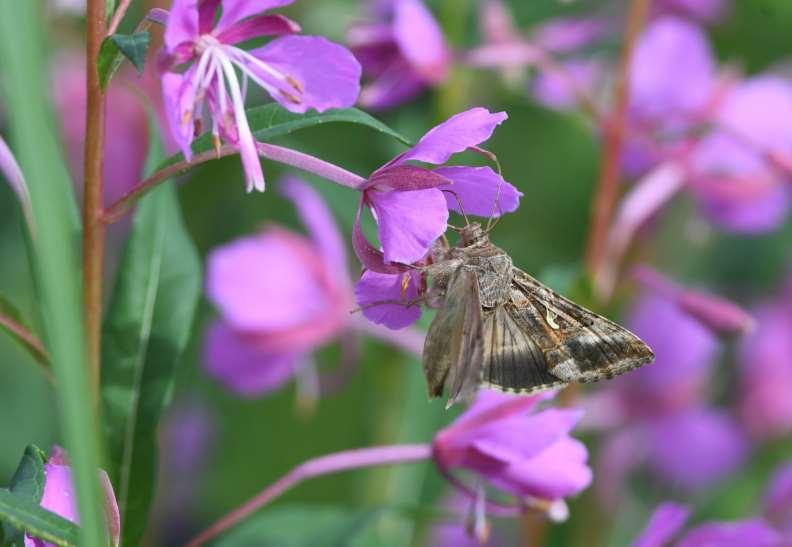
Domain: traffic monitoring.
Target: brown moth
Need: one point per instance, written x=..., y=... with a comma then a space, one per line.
x=496, y=326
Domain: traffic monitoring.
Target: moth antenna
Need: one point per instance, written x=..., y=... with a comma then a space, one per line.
x=496, y=208
x=459, y=202
x=455, y=228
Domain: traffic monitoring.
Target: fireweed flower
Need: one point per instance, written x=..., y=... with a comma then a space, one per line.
x=665, y=529
x=402, y=52
x=411, y=204
x=766, y=370
x=299, y=72
x=280, y=296
x=506, y=442
x=658, y=415
x=60, y=497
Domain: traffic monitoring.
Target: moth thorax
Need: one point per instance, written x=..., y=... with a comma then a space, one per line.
x=472, y=234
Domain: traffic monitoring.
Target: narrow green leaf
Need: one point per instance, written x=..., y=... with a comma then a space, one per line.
x=114, y=48
x=146, y=329
x=27, y=483
x=26, y=515
x=272, y=120
x=304, y=526
x=11, y=322
x=33, y=132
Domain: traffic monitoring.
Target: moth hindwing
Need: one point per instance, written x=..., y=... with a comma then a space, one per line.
x=498, y=326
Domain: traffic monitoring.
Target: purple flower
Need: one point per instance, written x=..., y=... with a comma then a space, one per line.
x=777, y=502
x=126, y=126
x=299, y=72
x=669, y=518
x=402, y=52
x=556, y=89
x=659, y=413
x=60, y=497
x=411, y=204
x=737, y=185
x=280, y=296
x=706, y=11
x=529, y=455
x=766, y=371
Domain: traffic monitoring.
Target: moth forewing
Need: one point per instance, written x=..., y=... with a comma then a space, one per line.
x=452, y=349
x=579, y=345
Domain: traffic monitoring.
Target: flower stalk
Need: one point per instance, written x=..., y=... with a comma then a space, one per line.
x=93, y=227
x=323, y=465
x=614, y=131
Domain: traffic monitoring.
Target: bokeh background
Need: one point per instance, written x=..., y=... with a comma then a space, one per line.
x=221, y=448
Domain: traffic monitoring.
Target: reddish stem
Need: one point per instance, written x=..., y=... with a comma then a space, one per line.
x=93, y=227
x=28, y=339
x=614, y=131
x=323, y=465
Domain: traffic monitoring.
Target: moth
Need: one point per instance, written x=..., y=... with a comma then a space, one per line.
x=496, y=326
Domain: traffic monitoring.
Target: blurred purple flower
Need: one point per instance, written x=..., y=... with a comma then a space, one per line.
x=126, y=126
x=557, y=89
x=60, y=497
x=661, y=417
x=705, y=11
x=299, y=72
x=402, y=52
x=668, y=519
x=777, y=502
x=280, y=296
x=529, y=455
x=736, y=183
x=766, y=371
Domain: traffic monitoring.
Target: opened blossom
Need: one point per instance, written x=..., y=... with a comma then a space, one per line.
x=411, y=203
x=507, y=442
x=402, y=51
x=281, y=296
x=60, y=497
x=299, y=72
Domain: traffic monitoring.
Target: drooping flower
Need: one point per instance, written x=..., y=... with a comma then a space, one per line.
x=280, y=296
x=766, y=370
x=299, y=72
x=527, y=454
x=60, y=497
x=402, y=52
x=659, y=415
x=411, y=204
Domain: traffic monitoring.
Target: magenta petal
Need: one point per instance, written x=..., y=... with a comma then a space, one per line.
x=663, y=525
x=178, y=94
x=671, y=51
x=373, y=288
x=455, y=135
x=391, y=88
x=327, y=73
x=409, y=222
x=479, y=189
x=266, y=282
x=244, y=367
x=316, y=216
x=236, y=10
x=420, y=39
x=744, y=533
x=182, y=24
x=371, y=258
x=261, y=25
x=207, y=9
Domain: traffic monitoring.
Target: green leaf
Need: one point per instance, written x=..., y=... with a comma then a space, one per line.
x=11, y=321
x=114, y=48
x=26, y=515
x=145, y=331
x=27, y=97
x=304, y=526
x=27, y=483
x=272, y=120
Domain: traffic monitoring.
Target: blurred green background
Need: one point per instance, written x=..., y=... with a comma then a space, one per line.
x=551, y=157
